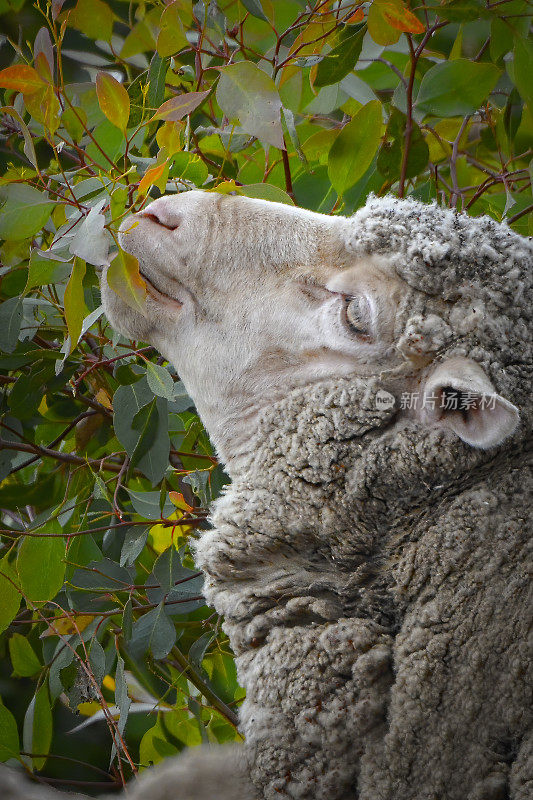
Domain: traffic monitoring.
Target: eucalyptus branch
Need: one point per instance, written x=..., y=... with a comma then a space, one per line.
x=194, y=676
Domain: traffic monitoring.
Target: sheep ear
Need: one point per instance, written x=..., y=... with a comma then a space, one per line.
x=459, y=396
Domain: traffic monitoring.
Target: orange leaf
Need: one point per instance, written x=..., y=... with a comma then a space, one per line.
x=150, y=177
x=402, y=19
x=113, y=100
x=21, y=78
x=357, y=16
x=179, y=501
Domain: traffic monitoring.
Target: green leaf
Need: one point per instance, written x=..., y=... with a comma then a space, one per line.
x=102, y=576
x=156, y=81
x=169, y=581
x=265, y=191
x=74, y=302
x=501, y=39
x=111, y=141
x=178, y=107
x=15, y=221
x=134, y=541
x=179, y=726
x=113, y=100
x=190, y=167
x=390, y=156
x=122, y=700
x=512, y=115
x=140, y=38
x=222, y=673
x=248, y=95
x=150, y=438
x=341, y=60
x=74, y=121
x=255, y=8
x=29, y=147
x=10, y=322
x=38, y=727
x=198, y=649
x=94, y=18
x=41, y=565
x=42, y=271
x=354, y=148
x=523, y=69
x=25, y=662
x=456, y=88
x=9, y=737
x=160, y=380
x=124, y=278
x=138, y=103
x=146, y=422
x=10, y=596
x=464, y=10
x=154, y=748
x=147, y=504
x=153, y=631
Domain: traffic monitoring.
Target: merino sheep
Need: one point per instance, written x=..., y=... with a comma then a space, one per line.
x=371, y=555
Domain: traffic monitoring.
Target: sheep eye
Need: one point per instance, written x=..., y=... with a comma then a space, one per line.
x=357, y=315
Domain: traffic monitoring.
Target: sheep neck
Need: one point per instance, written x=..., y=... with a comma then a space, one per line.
x=306, y=532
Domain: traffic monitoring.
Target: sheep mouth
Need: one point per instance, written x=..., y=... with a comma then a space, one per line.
x=157, y=295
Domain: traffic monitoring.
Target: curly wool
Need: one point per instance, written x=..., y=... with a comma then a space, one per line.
x=373, y=572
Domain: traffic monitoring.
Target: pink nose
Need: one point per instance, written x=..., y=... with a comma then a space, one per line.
x=163, y=214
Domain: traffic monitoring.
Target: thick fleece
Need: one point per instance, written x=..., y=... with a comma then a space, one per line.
x=373, y=570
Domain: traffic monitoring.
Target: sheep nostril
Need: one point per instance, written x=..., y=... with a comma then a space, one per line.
x=158, y=221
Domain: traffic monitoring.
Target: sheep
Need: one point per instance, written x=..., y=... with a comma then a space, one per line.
x=366, y=382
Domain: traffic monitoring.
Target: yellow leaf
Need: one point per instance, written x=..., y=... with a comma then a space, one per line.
x=113, y=100
x=50, y=109
x=43, y=67
x=161, y=536
x=88, y=709
x=68, y=626
x=172, y=37
x=21, y=78
x=168, y=137
x=94, y=18
x=124, y=278
x=103, y=398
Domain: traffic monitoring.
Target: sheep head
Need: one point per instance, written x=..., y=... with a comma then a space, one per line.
x=251, y=299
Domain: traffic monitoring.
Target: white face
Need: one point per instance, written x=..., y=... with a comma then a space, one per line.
x=250, y=299
x=253, y=299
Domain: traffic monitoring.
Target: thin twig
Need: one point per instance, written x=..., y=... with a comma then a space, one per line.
x=456, y=192
x=409, y=118
x=520, y=214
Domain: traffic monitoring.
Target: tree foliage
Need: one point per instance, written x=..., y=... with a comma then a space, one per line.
x=106, y=472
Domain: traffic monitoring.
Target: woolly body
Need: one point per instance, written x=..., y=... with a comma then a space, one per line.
x=371, y=566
